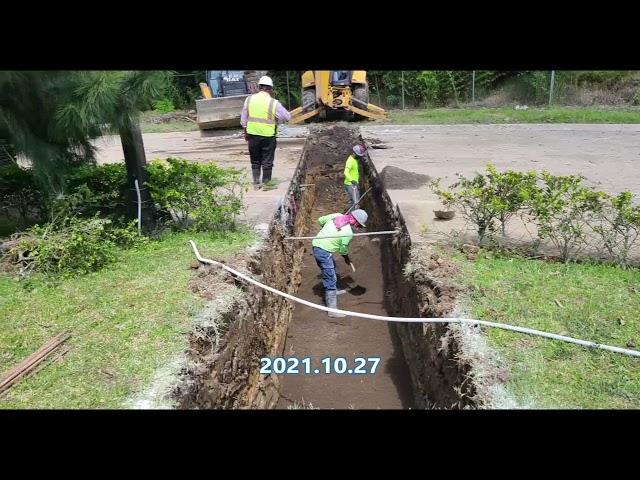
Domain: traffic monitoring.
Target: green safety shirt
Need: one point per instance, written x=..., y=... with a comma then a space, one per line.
x=351, y=173
x=340, y=245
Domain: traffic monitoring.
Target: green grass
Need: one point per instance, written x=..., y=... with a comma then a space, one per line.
x=147, y=125
x=271, y=184
x=126, y=321
x=511, y=115
x=591, y=302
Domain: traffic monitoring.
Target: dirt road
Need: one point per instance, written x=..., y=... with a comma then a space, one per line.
x=609, y=154
x=226, y=148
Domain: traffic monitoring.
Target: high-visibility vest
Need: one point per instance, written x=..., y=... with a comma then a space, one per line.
x=351, y=172
x=261, y=109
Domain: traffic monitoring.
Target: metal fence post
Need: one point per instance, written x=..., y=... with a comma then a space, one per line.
x=402, y=84
x=473, y=86
x=553, y=79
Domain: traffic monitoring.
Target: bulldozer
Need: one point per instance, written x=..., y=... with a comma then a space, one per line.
x=336, y=94
x=223, y=95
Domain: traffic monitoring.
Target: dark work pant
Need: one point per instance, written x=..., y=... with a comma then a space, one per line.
x=261, y=151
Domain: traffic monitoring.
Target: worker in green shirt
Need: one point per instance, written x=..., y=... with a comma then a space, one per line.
x=335, y=224
x=352, y=175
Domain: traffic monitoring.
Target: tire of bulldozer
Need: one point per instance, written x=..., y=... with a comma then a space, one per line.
x=361, y=93
x=308, y=99
x=308, y=102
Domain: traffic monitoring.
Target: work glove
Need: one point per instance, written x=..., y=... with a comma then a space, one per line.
x=246, y=136
x=348, y=261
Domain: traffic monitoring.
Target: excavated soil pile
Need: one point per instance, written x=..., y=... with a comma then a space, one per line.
x=395, y=178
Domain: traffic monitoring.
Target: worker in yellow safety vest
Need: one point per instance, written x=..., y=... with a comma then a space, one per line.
x=352, y=175
x=259, y=118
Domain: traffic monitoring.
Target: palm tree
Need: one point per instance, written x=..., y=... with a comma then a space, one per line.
x=113, y=101
x=28, y=105
x=51, y=118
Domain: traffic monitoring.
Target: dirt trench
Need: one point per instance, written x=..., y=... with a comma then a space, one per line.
x=415, y=370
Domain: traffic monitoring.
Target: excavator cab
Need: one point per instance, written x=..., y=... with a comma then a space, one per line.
x=335, y=94
x=340, y=78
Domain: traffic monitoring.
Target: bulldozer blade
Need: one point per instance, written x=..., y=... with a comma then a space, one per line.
x=220, y=112
x=296, y=117
x=374, y=112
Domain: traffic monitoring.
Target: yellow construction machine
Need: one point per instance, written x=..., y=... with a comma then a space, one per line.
x=339, y=94
x=223, y=95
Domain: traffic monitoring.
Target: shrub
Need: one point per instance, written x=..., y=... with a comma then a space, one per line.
x=563, y=208
x=511, y=191
x=72, y=246
x=197, y=196
x=99, y=189
x=474, y=198
x=20, y=195
x=164, y=106
x=486, y=199
x=618, y=226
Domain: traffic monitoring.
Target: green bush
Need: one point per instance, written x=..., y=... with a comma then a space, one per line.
x=533, y=86
x=21, y=197
x=99, y=189
x=511, y=192
x=565, y=212
x=618, y=226
x=73, y=246
x=474, y=197
x=486, y=200
x=88, y=190
x=603, y=78
x=183, y=87
x=563, y=208
x=393, y=100
x=164, y=106
x=197, y=196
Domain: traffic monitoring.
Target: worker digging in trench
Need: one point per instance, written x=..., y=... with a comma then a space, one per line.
x=352, y=175
x=324, y=248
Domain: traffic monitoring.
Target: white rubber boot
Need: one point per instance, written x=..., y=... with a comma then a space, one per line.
x=332, y=302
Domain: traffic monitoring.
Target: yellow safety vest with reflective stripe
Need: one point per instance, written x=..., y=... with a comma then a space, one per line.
x=261, y=109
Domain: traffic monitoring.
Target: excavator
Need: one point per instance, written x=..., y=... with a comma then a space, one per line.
x=337, y=94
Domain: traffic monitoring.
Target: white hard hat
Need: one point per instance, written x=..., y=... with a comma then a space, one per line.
x=360, y=216
x=359, y=150
x=266, y=81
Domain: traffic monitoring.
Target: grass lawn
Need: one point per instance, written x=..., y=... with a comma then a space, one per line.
x=591, y=302
x=511, y=115
x=126, y=321
x=147, y=125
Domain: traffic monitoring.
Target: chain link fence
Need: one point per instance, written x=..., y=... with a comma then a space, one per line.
x=484, y=88
x=481, y=88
